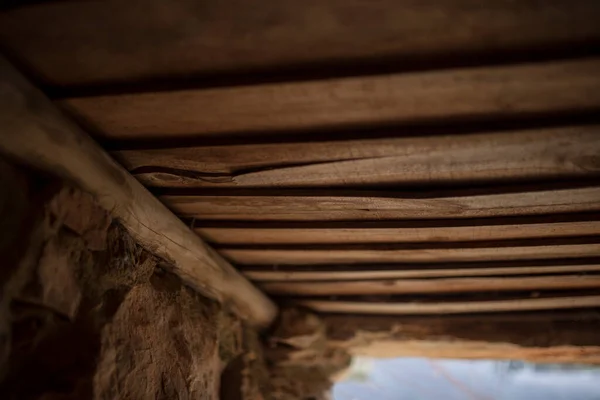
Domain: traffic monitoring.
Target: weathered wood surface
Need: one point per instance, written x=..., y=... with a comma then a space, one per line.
x=423, y=286
x=368, y=205
x=90, y=43
x=525, y=154
x=266, y=256
x=371, y=233
x=35, y=133
x=569, y=336
x=492, y=306
x=404, y=273
x=463, y=93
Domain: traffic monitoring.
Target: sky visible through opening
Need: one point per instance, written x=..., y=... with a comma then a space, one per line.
x=427, y=379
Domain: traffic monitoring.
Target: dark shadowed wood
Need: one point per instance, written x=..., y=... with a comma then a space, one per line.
x=369, y=234
x=414, y=286
x=382, y=205
x=92, y=42
x=523, y=328
x=537, y=153
x=296, y=276
x=474, y=92
x=35, y=133
x=268, y=256
x=549, y=303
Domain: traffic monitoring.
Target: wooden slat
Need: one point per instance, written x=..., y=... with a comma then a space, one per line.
x=298, y=276
x=452, y=308
x=35, y=133
x=89, y=42
x=382, y=205
x=428, y=286
x=349, y=256
x=537, y=153
x=396, y=235
x=474, y=92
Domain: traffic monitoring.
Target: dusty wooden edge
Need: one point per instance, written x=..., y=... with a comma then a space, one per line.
x=297, y=276
x=446, y=285
x=36, y=133
x=450, y=308
x=475, y=350
x=569, y=336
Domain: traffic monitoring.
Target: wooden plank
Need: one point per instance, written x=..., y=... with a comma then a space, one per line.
x=346, y=307
x=568, y=336
x=35, y=133
x=298, y=276
x=499, y=327
x=396, y=98
x=348, y=256
x=267, y=236
x=430, y=286
x=81, y=43
x=526, y=154
x=364, y=205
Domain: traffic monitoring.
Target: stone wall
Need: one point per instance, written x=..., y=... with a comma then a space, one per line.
x=88, y=314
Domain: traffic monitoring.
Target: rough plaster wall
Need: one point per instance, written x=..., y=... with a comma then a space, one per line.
x=88, y=314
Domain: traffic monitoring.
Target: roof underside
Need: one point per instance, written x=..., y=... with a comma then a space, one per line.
x=404, y=157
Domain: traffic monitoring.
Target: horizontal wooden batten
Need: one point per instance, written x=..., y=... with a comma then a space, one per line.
x=433, y=253
x=430, y=286
x=526, y=154
x=356, y=101
x=470, y=307
x=397, y=235
x=354, y=275
x=183, y=39
x=369, y=205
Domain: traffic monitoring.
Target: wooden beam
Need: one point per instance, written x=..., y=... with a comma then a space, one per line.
x=465, y=350
x=113, y=42
x=397, y=98
x=549, y=153
x=320, y=276
x=368, y=234
x=35, y=133
x=368, y=205
x=429, y=286
x=570, y=336
x=432, y=253
x=550, y=303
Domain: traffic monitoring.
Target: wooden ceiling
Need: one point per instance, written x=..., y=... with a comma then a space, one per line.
x=390, y=156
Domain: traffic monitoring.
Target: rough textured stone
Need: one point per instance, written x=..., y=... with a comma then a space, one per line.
x=94, y=316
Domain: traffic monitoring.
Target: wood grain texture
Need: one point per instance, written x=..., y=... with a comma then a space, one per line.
x=473, y=92
x=396, y=235
x=551, y=337
x=451, y=308
x=337, y=276
x=35, y=133
x=428, y=286
x=80, y=43
x=365, y=205
x=268, y=256
x=539, y=336
x=527, y=154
